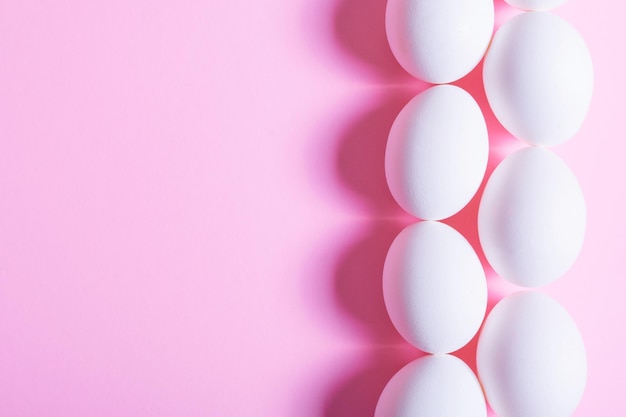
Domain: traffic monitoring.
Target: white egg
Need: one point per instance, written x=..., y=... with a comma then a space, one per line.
x=532, y=217
x=437, y=152
x=531, y=358
x=432, y=386
x=434, y=287
x=439, y=41
x=535, y=4
x=539, y=78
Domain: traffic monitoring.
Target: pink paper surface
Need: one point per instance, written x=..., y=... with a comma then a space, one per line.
x=194, y=215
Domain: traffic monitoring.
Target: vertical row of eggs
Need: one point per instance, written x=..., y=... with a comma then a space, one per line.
x=538, y=80
x=434, y=286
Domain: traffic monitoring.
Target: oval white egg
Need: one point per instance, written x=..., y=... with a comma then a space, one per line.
x=531, y=358
x=538, y=78
x=432, y=386
x=434, y=287
x=531, y=218
x=437, y=152
x=535, y=4
x=439, y=41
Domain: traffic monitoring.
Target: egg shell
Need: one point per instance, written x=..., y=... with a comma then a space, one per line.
x=434, y=287
x=437, y=152
x=531, y=218
x=531, y=358
x=537, y=5
x=432, y=386
x=439, y=41
x=538, y=78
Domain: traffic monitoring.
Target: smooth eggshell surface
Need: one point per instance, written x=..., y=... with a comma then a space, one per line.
x=439, y=41
x=531, y=358
x=538, y=78
x=531, y=218
x=535, y=4
x=432, y=386
x=437, y=152
x=434, y=287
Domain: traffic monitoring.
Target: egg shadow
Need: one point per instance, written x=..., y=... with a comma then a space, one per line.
x=357, y=394
x=359, y=30
x=358, y=282
x=360, y=157
x=357, y=289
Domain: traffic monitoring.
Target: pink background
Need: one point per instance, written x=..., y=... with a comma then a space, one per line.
x=194, y=217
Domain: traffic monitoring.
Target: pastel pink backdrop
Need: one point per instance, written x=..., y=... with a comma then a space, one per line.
x=194, y=216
